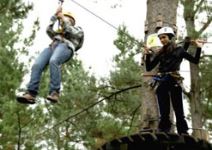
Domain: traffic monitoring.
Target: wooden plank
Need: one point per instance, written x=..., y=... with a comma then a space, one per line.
x=157, y=140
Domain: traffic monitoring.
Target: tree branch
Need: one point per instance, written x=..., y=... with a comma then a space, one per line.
x=188, y=94
x=205, y=26
x=89, y=107
x=133, y=116
x=198, y=6
x=182, y=1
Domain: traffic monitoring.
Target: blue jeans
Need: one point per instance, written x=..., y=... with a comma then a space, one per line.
x=54, y=56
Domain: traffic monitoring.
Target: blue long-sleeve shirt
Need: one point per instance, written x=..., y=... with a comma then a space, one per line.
x=72, y=35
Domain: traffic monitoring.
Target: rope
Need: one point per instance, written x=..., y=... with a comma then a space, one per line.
x=113, y=26
x=60, y=3
x=97, y=16
x=107, y=22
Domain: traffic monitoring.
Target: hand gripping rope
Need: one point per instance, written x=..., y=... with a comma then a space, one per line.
x=60, y=3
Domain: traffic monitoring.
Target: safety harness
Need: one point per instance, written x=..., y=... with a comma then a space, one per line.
x=61, y=37
x=165, y=76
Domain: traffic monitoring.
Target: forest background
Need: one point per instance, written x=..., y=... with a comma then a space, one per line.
x=94, y=107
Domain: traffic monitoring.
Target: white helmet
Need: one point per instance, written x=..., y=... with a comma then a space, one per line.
x=166, y=30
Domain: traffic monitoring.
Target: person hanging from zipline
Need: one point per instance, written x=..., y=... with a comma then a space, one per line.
x=168, y=81
x=65, y=41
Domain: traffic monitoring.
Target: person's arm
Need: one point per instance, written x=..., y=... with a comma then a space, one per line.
x=187, y=42
x=51, y=33
x=194, y=59
x=150, y=64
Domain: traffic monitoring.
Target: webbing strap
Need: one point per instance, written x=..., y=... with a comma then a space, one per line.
x=59, y=21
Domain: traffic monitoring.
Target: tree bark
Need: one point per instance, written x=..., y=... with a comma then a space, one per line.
x=194, y=98
x=158, y=11
x=195, y=104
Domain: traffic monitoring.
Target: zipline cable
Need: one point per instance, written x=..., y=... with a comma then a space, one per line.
x=107, y=22
x=113, y=26
x=97, y=16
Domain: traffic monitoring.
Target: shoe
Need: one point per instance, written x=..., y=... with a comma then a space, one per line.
x=53, y=97
x=27, y=98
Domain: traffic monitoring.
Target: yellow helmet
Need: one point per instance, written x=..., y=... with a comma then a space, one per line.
x=70, y=15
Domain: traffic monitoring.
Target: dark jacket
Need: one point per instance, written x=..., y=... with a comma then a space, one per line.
x=170, y=61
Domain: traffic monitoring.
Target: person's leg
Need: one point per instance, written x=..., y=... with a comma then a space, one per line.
x=164, y=107
x=37, y=69
x=177, y=102
x=33, y=85
x=60, y=55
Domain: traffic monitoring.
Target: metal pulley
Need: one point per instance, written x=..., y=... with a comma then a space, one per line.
x=61, y=2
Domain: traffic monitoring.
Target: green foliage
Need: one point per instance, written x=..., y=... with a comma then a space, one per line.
x=201, y=90
x=91, y=113
x=123, y=107
x=14, y=118
x=78, y=91
x=206, y=85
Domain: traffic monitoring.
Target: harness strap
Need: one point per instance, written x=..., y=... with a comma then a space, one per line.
x=175, y=74
x=59, y=21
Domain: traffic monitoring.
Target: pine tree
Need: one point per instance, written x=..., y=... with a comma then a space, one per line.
x=122, y=108
x=191, y=11
x=12, y=70
x=72, y=120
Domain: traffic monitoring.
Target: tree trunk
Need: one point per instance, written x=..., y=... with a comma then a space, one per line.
x=195, y=104
x=194, y=98
x=159, y=13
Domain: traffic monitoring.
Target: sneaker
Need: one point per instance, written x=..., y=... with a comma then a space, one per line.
x=53, y=97
x=27, y=98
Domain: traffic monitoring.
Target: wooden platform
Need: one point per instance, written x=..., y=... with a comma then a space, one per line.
x=157, y=141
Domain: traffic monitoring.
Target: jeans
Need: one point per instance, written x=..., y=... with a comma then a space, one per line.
x=54, y=56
